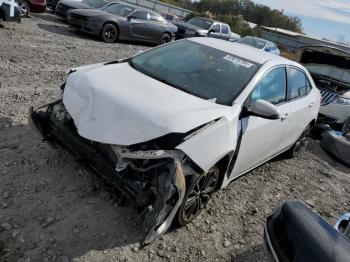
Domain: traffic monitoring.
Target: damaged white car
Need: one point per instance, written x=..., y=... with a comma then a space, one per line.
x=170, y=126
x=329, y=67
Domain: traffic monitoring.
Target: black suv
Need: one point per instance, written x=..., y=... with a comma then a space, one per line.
x=5, y=12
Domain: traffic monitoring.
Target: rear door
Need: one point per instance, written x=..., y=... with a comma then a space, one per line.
x=301, y=102
x=139, y=24
x=261, y=138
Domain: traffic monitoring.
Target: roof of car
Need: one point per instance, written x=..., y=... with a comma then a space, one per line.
x=245, y=51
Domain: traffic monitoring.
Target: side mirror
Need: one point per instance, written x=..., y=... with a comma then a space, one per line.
x=264, y=109
x=130, y=17
x=267, y=49
x=211, y=31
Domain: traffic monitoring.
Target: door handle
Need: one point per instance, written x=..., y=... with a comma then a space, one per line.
x=284, y=117
x=311, y=104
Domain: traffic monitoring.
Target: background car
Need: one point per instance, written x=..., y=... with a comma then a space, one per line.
x=31, y=6
x=260, y=43
x=200, y=26
x=5, y=13
x=293, y=232
x=53, y=3
x=65, y=6
x=329, y=68
x=121, y=21
x=169, y=17
x=173, y=124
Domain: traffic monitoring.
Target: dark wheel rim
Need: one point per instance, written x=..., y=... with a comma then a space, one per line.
x=110, y=33
x=165, y=39
x=200, y=195
x=23, y=9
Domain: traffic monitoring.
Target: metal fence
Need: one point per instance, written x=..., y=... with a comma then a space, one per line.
x=159, y=6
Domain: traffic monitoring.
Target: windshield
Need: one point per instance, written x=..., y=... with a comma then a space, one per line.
x=118, y=9
x=202, y=23
x=197, y=69
x=333, y=72
x=95, y=3
x=259, y=43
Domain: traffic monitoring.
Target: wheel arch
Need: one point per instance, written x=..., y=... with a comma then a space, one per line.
x=110, y=22
x=223, y=166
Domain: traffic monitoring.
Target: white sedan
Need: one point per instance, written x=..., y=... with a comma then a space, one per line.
x=170, y=126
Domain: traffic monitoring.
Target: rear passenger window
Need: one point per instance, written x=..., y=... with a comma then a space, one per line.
x=156, y=18
x=224, y=29
x=298, y=84
x=141, y=15
x=272, y=87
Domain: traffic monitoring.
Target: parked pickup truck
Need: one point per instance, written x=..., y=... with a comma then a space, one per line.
x=199, y=26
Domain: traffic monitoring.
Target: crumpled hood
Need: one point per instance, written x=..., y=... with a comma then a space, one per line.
x=116, y=104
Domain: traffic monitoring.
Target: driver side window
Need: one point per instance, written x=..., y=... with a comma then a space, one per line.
x=272, y=87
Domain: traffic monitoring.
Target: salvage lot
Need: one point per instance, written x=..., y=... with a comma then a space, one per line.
x=52, y=209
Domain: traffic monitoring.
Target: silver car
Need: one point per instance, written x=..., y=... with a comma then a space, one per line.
x=121, y=21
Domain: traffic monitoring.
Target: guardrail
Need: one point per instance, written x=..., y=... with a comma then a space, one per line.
x=160, y=6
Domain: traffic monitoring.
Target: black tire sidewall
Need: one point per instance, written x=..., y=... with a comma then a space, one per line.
x=104, y=28
x=163, y=36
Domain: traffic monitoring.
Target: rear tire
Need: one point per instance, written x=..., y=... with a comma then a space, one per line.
x=199, y=190
x=165, y=38
x=299, y=144
x=109, y=33
x=23, y=8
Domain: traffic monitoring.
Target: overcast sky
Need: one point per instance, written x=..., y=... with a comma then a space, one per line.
x=322, y=18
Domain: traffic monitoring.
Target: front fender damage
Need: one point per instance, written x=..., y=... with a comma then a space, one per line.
x=154, y=179
x=159, y=218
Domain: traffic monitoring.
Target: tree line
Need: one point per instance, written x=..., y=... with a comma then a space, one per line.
x=231, y=10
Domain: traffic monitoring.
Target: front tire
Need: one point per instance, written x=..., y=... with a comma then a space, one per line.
x=165, y=38
x=109, y=33
x=198, y=193
x=24, y=8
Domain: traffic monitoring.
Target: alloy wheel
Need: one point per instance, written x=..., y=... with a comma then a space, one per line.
x=200, y=194
x=23, y=7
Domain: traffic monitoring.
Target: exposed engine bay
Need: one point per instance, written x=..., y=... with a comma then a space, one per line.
x=153, y=179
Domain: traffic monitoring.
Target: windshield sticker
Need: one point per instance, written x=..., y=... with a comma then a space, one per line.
x=238, y=61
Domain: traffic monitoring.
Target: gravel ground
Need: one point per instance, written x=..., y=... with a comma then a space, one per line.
x=52, y=209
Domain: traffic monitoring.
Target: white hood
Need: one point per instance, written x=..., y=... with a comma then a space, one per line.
x=116, y=104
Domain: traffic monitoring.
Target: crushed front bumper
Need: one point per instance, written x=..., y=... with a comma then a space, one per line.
x=157, y=190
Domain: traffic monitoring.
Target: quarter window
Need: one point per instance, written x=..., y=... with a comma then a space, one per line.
x=298, y=84
x=272, y=87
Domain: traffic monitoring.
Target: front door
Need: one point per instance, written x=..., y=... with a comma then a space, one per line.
x=262, y=138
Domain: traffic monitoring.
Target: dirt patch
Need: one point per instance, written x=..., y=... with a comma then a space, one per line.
x=53, y=209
